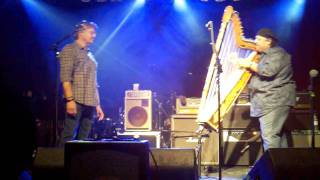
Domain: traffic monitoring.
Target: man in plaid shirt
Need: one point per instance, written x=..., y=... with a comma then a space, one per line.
x=78, y=74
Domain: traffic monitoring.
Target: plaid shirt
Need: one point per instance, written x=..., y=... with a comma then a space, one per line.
x=78, y=66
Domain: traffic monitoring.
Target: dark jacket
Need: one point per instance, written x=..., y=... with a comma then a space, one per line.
x=272, y=86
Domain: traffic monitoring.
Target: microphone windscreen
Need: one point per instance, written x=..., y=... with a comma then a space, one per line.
x=313, y=73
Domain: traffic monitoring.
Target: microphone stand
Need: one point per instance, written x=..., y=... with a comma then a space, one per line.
x=54, y=125
x=159, y=106
x=313, y=115
x=218, y=65
x=199, y=148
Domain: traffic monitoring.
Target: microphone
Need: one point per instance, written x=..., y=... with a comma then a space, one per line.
x=200, y=129
x=313, y=73
x=209, y=24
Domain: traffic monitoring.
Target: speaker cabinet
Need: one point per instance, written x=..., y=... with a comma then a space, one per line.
x=241, y=147
x=303, y=139
x=183, y=135
x=138, y=110
x=299, y=117
x=173, y=164
x=88, y=160
x=287, y=163
x=239, y=117
x=48, y=164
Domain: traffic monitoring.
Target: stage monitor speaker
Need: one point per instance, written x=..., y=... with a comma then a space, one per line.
x=138, y=110
x=287, y=163
x=48, y=164
x=173, y=164
x=85, y=160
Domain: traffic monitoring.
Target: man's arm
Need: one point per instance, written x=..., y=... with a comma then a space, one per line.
x=67, y=90
x=268, y=68
x=99, y=110
x=66, y=70
x=271, y=66
x=248, y=62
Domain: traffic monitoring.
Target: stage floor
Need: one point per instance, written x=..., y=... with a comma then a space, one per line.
x=228, y=173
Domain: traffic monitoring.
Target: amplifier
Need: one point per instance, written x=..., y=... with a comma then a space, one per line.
x=183, y=128
x=299, y=118
x=302, y=139
x=186, y=122
x=302, y=100
x=238, y=117
x=241, y=147
x=187, y=105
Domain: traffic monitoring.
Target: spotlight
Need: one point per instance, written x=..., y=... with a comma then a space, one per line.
x=180, y=5
x=300, y=2
x=140, y=3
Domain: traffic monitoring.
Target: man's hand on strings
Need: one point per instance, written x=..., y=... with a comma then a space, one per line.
x=233, y=57
x=244, y=63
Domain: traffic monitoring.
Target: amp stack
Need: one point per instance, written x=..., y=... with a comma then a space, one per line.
x=300, y=122
x=138, y=117
x=183, y=130
x=241, y=136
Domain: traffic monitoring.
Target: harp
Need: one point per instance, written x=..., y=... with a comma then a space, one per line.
x=232, y=79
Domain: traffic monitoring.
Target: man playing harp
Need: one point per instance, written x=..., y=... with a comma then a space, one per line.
x=272, y=90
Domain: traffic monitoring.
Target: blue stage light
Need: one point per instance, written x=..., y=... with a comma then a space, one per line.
x=180, y=5
x=140, y=3
x=300, y=2
x=296, y=10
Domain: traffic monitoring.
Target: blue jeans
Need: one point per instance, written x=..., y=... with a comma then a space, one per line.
x=78, y=127
x=271, y=126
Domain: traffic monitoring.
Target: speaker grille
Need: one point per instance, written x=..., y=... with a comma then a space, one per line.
x=138, y=110
x=137, y=116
